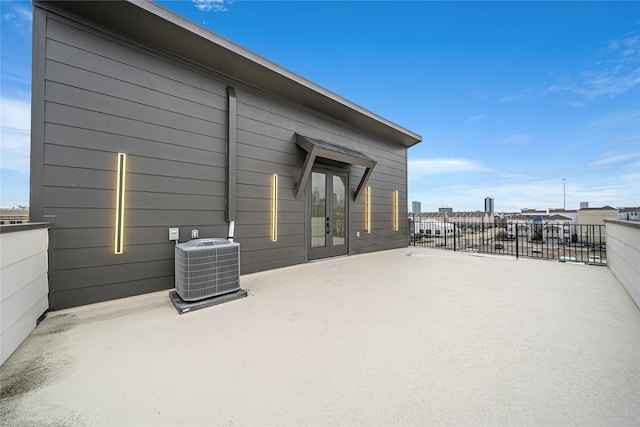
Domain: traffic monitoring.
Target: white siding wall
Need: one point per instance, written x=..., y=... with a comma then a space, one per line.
x=23, y=285
x=623, y=254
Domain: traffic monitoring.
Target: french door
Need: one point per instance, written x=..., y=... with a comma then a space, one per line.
x=329, y=214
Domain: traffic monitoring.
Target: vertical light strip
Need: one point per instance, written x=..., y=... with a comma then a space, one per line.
x=120, y=193
x=274, y=208
x=395, y=210
x=368, y=210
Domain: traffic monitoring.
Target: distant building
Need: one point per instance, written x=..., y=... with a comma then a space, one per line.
x=568, y=213
x=596, y=216
x=629, y=214
x=14, y=216
x=584, y=205
x=521, y=226
x=457, y=217
x=593, y=217
x=432, y=227
x=557, y=229
x=536, y=215
x=476, y=217
x=488, y=205
x=416, y=207
x=445, y=210
x=431, y=216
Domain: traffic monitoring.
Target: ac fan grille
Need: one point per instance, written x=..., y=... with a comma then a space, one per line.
x=207, y=271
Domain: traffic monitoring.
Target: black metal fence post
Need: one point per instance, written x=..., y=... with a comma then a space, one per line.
x=454, y=237
x=444, y=226
x=517, y=242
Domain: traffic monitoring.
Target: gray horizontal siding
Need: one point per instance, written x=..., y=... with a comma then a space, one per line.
x=65, y=197
x=122, y=131
x=137, y=65
x=144, y=87
x=275, y=119
x=70, y=238
x=97, y=257
x=94, y=276
x=92, y=294
x=94, y=217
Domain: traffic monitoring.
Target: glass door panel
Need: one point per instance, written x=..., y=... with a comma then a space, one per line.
x=338, y=211
x=318, y=209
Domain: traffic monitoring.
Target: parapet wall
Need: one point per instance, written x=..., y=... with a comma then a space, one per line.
x=24, y=286
x=623, y=254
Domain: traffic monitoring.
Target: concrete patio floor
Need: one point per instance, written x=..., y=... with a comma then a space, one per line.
x=439, y=338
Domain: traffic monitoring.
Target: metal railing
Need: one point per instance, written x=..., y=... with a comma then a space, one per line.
x=561, y=241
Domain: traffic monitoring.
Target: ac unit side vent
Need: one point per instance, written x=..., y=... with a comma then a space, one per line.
x=207, y=268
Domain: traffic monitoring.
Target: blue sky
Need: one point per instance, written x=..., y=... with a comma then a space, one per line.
x=510, y=97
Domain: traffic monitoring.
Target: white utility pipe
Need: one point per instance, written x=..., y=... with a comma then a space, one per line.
x=232, y=226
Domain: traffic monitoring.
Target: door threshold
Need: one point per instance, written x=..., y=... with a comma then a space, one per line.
x=329, y=258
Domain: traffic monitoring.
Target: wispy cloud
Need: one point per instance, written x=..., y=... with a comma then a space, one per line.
x=623, y=117
x=211, y=5
x=616, y=72
x=15, y=131
x=516, y=139
x=424, y=167
x=479, y=94
x=478, y=117
x=609, y=158
x=19, y=17
x=518, y=95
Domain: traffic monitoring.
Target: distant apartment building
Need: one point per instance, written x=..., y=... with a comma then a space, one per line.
x=568, y=213
x=470, y=217
x=488, y=205
x=14, y=216
x=590, y=218
x=431, y=216
x=584, y=205
x=432, y=227
x=445, y=210
x=536, y=215
x=416, y=207
x=520, y=226
x=557, y=229
x=596, y=216
x=629, y=214
x=467, y=218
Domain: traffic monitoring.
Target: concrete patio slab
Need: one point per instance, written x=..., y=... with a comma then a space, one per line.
x=440, y=338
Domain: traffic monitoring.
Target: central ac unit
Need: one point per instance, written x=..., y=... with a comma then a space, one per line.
x=207, y=268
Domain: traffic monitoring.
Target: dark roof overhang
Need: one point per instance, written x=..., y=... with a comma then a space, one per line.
x=149, y=23
x=317, y=148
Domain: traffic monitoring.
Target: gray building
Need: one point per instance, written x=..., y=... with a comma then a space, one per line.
x=416, y=207
x=143, y=121
x=488, y=205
